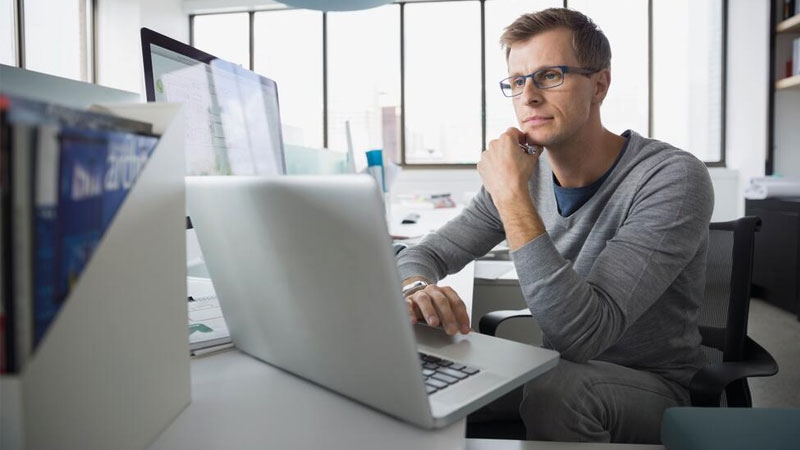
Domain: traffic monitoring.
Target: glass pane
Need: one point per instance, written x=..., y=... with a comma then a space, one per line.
x=288, y=49
x=365, y=95
x=443, y=82
x=8, y=35
x=626, y=105
x=53, y=38
x=499, y=14
x=687, y=75
x=224, y=36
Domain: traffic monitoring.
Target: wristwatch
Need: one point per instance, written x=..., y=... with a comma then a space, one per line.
x=414, y=286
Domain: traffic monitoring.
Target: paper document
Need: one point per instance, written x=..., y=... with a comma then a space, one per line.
x=207, y=327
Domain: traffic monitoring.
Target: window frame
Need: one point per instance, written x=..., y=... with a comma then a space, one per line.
x=87, y=25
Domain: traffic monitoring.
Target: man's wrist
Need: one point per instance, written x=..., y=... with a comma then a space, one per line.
x=520, y=220
x=513, y=198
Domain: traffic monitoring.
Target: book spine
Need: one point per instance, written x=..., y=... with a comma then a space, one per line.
x=22, y=279
x=45, y=215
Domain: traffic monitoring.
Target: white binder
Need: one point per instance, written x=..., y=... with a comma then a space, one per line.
x=113, y=369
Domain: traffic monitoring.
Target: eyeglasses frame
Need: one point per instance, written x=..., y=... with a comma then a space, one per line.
x=564, y=69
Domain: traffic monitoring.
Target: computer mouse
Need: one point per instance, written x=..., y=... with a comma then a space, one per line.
x=410, y=219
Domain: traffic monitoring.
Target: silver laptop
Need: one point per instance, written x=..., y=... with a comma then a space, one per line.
x=307, y=281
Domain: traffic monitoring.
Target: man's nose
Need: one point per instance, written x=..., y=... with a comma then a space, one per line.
x=530, y=93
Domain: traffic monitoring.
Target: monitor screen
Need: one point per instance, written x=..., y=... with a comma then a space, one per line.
x=231, y=115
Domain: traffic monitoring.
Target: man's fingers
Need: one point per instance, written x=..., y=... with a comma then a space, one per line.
x=439, y=305
x=442, y=304
x=459, y=309
x=424, y=302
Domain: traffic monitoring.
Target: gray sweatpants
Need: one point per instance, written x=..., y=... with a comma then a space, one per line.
x=598, y=402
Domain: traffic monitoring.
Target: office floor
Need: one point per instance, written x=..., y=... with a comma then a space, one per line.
x=779, y=332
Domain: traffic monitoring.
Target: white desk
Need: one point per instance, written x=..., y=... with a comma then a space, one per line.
x=429, y=219
x=240, y=402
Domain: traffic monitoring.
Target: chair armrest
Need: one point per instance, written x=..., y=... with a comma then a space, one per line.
x=490, y=321
x=709, y=382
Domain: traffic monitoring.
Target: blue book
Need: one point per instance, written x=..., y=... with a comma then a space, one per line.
x=95, y=172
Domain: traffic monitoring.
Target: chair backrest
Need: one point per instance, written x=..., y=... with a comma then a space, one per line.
x=726, y=304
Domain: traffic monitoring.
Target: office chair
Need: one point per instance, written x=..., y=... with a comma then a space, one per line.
x=733, y=356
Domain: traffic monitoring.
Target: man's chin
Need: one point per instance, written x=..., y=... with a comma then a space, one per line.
x=539, y=139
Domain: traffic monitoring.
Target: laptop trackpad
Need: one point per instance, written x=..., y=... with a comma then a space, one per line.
x=434, y=338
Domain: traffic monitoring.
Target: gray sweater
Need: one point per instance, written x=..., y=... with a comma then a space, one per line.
x=619, y=280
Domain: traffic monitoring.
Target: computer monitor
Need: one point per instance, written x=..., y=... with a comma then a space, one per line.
x=231, y=115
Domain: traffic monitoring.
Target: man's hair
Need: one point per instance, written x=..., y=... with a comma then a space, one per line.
x=590, y=45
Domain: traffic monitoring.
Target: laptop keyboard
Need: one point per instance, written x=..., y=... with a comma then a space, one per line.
x=440, y=373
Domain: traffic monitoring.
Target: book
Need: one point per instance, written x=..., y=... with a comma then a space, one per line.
x=94, y=170
x=45, y=213
x=21, y=182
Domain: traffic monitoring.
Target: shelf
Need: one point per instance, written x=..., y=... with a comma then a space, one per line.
x=788, y=83
x=790, y=25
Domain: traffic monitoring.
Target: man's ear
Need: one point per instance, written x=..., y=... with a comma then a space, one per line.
x=602, y=83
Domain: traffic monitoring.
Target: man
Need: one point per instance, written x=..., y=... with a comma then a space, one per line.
x=608, y=234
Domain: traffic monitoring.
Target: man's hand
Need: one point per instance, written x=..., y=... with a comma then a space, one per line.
x=505, y=171
x=505, y=168
x=439, y=305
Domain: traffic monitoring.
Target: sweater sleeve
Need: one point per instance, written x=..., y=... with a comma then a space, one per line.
x=665, y=226
x=468, y=236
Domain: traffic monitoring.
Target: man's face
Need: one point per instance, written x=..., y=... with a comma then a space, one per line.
x=550, y=117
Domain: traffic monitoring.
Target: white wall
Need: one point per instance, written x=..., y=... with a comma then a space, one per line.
x=747, y=91
x=119, y=59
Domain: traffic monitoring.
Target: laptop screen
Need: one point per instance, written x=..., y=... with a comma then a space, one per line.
x=231, y=115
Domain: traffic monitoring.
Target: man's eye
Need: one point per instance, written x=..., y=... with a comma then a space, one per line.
x=518, y=82
x=551, y=75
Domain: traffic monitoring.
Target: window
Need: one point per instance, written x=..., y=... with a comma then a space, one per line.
x=499, y=14
x=450, y=98
x=688, y=75
x=364, y=79
x=443, y=83
x=288, y=49
x=225, y=36
x=58, y=37
x=626, y=105
x=8, y=36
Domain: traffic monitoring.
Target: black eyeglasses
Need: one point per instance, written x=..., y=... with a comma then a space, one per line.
x=546, y=78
